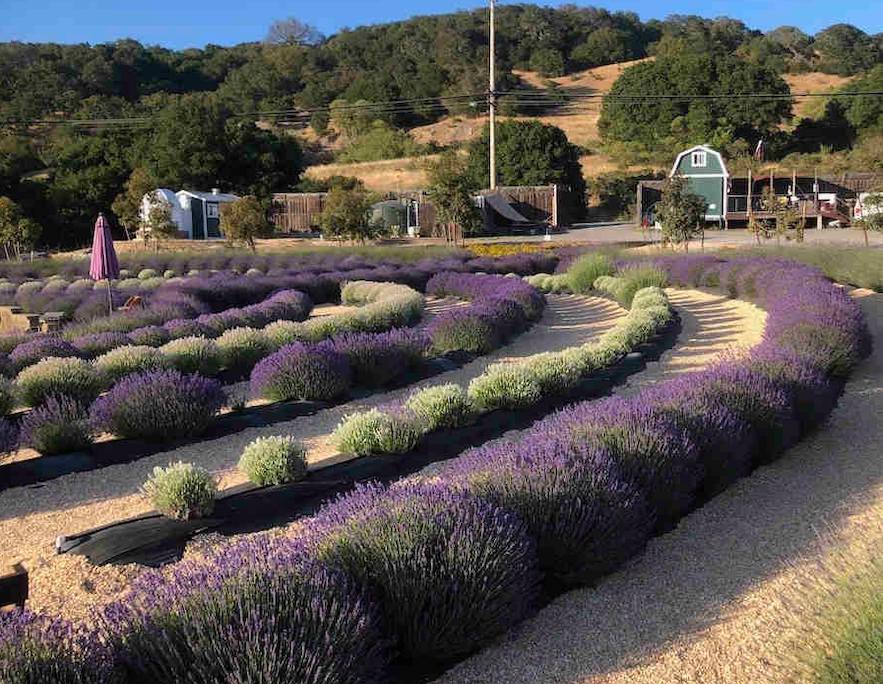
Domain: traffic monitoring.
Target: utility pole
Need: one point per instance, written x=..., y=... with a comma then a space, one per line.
x=492, y=102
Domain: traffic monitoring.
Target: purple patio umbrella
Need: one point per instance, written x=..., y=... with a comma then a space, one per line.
x=104, y=264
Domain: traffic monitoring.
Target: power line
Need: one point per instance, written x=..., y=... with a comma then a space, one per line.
x=553, y=99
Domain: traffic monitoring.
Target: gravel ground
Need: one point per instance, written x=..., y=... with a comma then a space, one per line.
x=31, y=518
x=732, y=594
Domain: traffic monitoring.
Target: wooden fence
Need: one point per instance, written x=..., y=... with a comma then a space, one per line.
x=299, y=212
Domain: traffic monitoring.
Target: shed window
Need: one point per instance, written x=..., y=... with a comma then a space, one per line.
x=211, y=210
x=700, y=159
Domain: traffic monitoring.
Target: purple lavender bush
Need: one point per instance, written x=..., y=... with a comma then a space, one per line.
x=8, y=437
x=377, y=359
x=150, y=336
x=37, y=649
x=96, y=344
x=652, y=451
x=59, y=426
x=726, y=442
x=450, y=571
x=41, y=347
x=463, y=330
x=258, y=610
x=763, y=403
x=8, y=396
x=586, y=519
x=315, y=372
x=158, y=405
x=185, y=327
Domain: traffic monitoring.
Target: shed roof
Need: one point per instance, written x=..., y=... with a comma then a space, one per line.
x=210, y=196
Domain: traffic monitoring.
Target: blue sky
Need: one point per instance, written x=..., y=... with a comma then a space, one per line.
x=193, y=23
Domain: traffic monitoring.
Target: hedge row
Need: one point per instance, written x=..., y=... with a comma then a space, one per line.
x=508, y=385
x=427, y=573
x=500, y=307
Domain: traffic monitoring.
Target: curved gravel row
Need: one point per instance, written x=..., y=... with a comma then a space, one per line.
x=30, y=519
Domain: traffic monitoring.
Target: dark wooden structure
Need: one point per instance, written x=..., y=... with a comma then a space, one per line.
x=819, y=199
x=14, y=587
x=546, y=204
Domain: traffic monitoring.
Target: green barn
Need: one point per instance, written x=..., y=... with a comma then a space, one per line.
x=707, y=176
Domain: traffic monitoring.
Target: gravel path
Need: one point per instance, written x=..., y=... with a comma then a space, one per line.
x=730, y=595
x=31, y=518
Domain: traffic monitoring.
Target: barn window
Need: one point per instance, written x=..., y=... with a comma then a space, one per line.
x=211, y=210
x=700, y=159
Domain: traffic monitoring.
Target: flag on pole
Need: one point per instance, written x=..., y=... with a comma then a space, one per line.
x=759, y=151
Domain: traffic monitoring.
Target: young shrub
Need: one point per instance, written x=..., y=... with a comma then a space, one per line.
x=150, y=336
x=555, y=372
x=442, y=406
x=118, y=363
x=36, y=648
x=242, y=348
x=7, y=396
x=505, y=386
x=59, y=426
x=71, y=377
x=193, y=355
x=637, y=278
x=281, y=333
x=40, y=348
x=451, y=571
x=274, y=461
x=147, y=273
x=649, y=297
x=583, y=273
x=297, y=371
x=182, y=491
x=259, y=610
x=378, y=432
x=586, y=519
x=158, y=405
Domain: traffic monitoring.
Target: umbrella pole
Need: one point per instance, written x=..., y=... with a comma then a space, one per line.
x=109, y=299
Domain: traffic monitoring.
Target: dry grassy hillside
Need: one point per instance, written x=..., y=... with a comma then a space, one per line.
x=580, y=123
x=813, y=82
x=380, y=176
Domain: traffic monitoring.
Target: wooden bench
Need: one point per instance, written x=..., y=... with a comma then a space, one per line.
x=14, y=587
x=52, y=320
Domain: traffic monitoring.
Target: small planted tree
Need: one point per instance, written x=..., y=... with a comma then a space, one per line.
x=451, y=193
x=345, y=215
x=680, y=212
x=18, y=234
x=127, y=205
x=786, y=217
x=157, y=225
x=244, y=221
x=872, y=217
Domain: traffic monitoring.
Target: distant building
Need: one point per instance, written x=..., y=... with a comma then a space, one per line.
x=731, y=200
x=707, y=176
x=197, y=214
